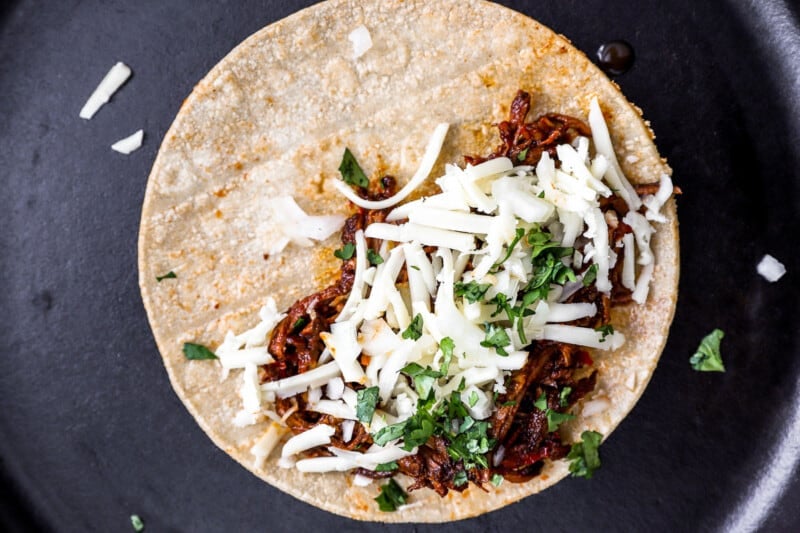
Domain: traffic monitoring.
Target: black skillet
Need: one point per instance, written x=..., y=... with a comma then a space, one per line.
x=90, y=430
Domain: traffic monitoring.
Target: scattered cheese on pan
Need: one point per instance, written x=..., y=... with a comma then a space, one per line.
x=129, y=144
x=112, y=81
x=770, y=268
x=362, y=41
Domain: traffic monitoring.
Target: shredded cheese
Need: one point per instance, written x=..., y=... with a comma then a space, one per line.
x=112, y=81
x=486, y=226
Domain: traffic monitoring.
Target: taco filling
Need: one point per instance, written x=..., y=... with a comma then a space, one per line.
x=461, y=331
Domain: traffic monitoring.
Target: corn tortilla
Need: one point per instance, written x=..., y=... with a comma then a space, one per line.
x=274, y=116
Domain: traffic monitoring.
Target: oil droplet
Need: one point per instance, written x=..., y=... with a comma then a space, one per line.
x=615, y=57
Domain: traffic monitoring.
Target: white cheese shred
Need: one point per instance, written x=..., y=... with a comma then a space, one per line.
x=112, y=81
x=425, y=167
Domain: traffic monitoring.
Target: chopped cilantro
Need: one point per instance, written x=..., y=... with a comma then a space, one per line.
x=423, y=378
x=590, y=275
x=389, y=433
x=137, y=523
x=497, y=479
x=605, y=330
x=351, y=171
x=345, y=252
x=168, y=275
x=387, y=467
x=519, y=234
x=563, y=396
x=708, y=358
x=472, y=291
x=497, y=338
x=541, y=402
x=299, y=324
x=414, y=330
x=523, y=154
x=473, y=398
x=197, y=352
x=366, y=399
x=555, y=419
x=374, y=257
x=508, y=403
x=415, y=267
x=460, y=478
x=541, y=194
x=446, y=345
x=584, y=457
x=391, y=497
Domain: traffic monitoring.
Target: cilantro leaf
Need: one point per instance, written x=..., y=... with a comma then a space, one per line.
x=708, y=358
x=366, y=400
x=351, y=171
x=137, y=523
x=460, y=478
x=563, y=396
x=473, y=398
x=414, y=330
x=168, y=275
x=583, y=456
x=590, y=275
x=387, y=467
x=605, y=330
x=447, y=346
x=423, y=378
x=472, y=291
x=497, y=479
x=389, y=433
x=374, y=257
x=497, y=338
x=523, y=154
x=345, y=252
x=299, y=324
x=197, y=352
x=519, y=234
x=391, y=497
x=555, y=419
x=541, y=402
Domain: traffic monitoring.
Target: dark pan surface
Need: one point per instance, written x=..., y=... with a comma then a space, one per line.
x=90, y=429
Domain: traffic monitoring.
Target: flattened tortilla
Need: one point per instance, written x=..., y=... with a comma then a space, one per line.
x=274, y=116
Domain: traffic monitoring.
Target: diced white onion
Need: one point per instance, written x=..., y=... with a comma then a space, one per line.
x=298, y=227
x=770, y=268
x=129, y=144
x=362, y=41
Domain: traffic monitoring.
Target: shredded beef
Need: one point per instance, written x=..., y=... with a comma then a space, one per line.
x=520, y=429
x=525, y=142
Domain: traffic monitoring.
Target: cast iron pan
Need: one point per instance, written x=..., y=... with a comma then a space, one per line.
x=90, y=430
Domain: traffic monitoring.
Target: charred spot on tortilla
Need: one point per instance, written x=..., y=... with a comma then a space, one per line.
x=573, y=167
